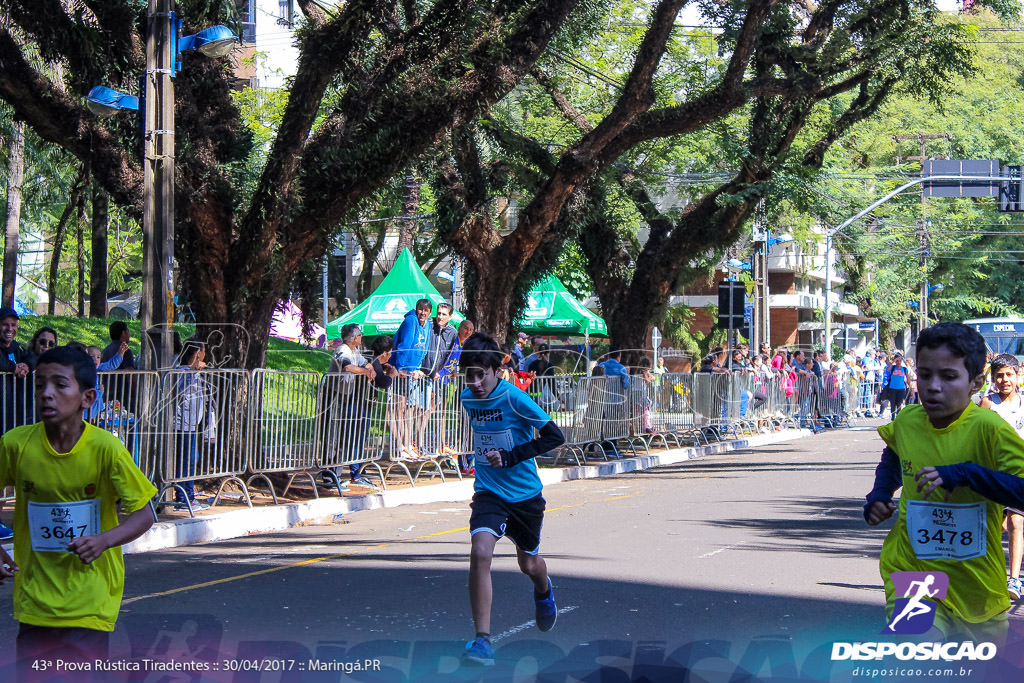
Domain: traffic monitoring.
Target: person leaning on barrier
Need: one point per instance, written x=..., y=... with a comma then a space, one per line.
x=349, y=361
x=384, y=372
x=119, y=338
x=16, y=362
x=191, y=395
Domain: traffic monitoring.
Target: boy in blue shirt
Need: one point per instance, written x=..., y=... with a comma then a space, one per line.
x=507, y=496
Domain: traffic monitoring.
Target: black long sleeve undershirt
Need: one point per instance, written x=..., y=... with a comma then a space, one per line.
x=550, y=438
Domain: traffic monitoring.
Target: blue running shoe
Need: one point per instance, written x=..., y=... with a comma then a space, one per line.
x=547, y=610
x=480, y=651
x=6, y=532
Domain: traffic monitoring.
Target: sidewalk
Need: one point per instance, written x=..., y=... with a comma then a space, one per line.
x=219, y=526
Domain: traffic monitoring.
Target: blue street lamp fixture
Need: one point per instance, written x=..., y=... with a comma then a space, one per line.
x=450, y=277
x=104, y=101
x=216, y=41
x=736, y=264
x=163, y=48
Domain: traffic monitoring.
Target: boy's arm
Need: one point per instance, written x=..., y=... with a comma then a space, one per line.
x=88, y=548
x=1000, y=487
x=888, y=479
x=113, y=364
x=550, y=438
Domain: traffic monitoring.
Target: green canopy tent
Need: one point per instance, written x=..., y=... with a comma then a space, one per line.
x=383, y=311
x=551, y=309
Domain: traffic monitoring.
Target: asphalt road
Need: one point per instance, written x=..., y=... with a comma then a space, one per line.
x=746, y=566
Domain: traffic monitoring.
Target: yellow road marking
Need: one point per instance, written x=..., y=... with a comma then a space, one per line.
x=325, y=558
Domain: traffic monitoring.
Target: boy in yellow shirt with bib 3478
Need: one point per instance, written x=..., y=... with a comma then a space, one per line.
x=68, y=476
x=958, y=465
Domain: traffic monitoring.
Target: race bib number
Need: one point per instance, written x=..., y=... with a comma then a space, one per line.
x=488, y=441
x=951, y=531
x=54, y=525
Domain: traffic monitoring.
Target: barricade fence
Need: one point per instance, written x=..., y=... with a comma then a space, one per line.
x=186, y=425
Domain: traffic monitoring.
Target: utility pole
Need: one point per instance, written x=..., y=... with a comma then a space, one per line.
x=922, y=139
x=157, y=305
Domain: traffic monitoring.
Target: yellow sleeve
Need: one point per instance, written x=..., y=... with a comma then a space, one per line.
x=888, y=434
x=7, y=475
x=134, y=489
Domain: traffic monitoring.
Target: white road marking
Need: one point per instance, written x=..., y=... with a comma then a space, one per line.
x=720, y=550
x=522, y=627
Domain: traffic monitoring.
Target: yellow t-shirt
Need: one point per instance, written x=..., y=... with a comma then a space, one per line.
x=60, y=495
x=977, y=586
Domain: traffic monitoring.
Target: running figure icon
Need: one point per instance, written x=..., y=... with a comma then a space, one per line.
x=915, y=605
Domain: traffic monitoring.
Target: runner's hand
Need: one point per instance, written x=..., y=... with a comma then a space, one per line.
x=494, y=458
x=88, y=548
x=928, y=479
x=880, y=511
x=7, y=566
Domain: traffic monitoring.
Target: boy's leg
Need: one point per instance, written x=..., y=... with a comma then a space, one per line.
x=480, y=590
x=536, y=568
x=69, y=644
x=1015, y=529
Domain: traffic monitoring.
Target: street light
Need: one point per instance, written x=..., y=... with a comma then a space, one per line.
x=450, y=277
x=103, y=101
x=163, y=48
x=216, y=41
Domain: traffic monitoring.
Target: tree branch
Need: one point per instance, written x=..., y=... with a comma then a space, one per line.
x=57, y=118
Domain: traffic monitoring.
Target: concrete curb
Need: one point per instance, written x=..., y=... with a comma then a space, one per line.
x=268, y=519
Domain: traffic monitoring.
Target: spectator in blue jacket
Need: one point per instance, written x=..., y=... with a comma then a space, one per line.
x=612, y=366
x=412, y=340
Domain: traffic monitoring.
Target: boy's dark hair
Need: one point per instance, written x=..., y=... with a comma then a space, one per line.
x=190, y=348
x=962, y=341
x=78, y=360
x=480, y=351
x=1003, y=360
x=598, y=371
x=424, y=303
x=117, y=328
x=381, y=344
x=446, y=306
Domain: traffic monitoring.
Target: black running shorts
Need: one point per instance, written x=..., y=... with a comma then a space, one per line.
x=521, y=522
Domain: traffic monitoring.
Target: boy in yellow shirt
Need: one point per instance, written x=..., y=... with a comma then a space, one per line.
x=68, y=476
x=958, y=465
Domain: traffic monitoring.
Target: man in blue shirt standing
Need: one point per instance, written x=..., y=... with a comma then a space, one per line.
x=507, y=498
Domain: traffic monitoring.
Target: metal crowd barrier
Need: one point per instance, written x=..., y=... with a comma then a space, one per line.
x=124, y=407
x=185, y=425
x=198, y=435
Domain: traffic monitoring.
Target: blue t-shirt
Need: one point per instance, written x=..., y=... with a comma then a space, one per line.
x=504, y=420
x=898, y=378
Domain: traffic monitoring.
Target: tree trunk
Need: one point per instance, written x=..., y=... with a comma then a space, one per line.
x=80, y=260
x=490, y=307
x=407, y=224
x=60, y=233
x=15, y=178
x=98, y=270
